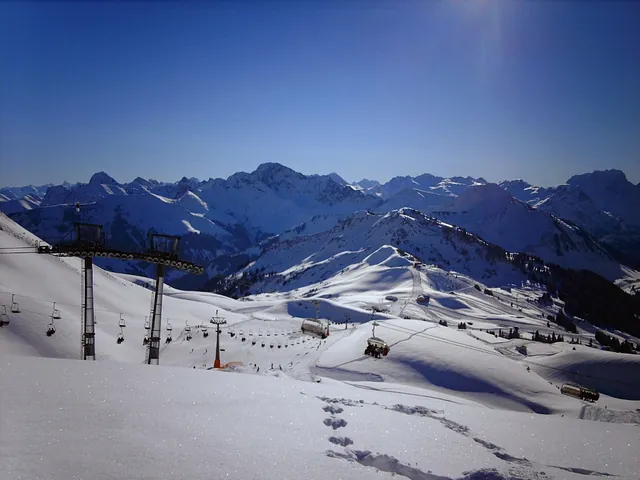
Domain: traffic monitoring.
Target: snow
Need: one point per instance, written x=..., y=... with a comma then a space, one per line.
x=178, y=423
x=445, y=403
x=493, y=214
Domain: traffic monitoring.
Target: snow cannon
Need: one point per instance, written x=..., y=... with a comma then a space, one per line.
x=376, y=347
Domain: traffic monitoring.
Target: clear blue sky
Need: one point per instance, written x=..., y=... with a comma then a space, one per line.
x=533, y=90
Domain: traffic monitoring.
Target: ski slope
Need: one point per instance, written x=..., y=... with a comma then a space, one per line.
x=167, y=423
x=442, y=404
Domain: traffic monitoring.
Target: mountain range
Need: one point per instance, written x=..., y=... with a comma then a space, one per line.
x=588, y=223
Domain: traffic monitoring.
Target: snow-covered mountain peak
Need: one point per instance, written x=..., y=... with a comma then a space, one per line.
x=602, y=177
x=142, y=181
x=489, y=198
x=192, y=203
x=101, y=178
x=275, y=175
x=367, y=184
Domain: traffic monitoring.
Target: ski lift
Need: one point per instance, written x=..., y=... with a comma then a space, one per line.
x=56, y=313
x=279, y=346
x=275, y=333
x=271, y=345
x=187, y=328
x=169, y=329
x=120, y=336
x=260, y=332
x=15, y=306
x=251, y=333
x=205, y=333
x=268, y=333
x=121, y=323
x=253, y=341
x=4, y=318
x=145, y=340
x=262, y=344
x=147, y=324
x=51, y=329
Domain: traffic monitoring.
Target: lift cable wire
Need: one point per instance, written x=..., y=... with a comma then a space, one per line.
x=18, y=296
x=477, y=349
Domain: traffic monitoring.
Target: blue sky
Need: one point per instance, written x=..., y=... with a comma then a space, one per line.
x=503, y=90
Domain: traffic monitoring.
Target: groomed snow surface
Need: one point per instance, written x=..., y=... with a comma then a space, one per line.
x=445, y=403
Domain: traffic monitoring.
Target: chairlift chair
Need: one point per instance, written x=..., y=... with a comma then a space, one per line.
x=187, y=328
x=51, y=329
x=15, y=306
x=56, y=313
x=4, y=318
x=147, y=324
x=169, y=329
x=205, y=333
x=120, y=336
x=145, y=340
x=122, y=323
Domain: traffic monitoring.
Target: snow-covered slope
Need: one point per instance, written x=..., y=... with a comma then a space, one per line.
x=493, y=214
x=526, y=192
x=426, y=182
x=128, y=218
x=203, y=425
x=27, y=202
x=274, y=198
x=444, y=404
x=100, y=186
x=612, y=192
x=374, y=239
x=15, y=193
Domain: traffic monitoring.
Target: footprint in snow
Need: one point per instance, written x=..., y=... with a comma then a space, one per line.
x=333, y=410
x=335, y=423
x=343, y=441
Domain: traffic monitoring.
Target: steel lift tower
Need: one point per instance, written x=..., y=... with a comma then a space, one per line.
x=217, y=321
x=89, y=242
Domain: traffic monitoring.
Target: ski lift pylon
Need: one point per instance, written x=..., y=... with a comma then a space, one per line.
x=15, y=306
